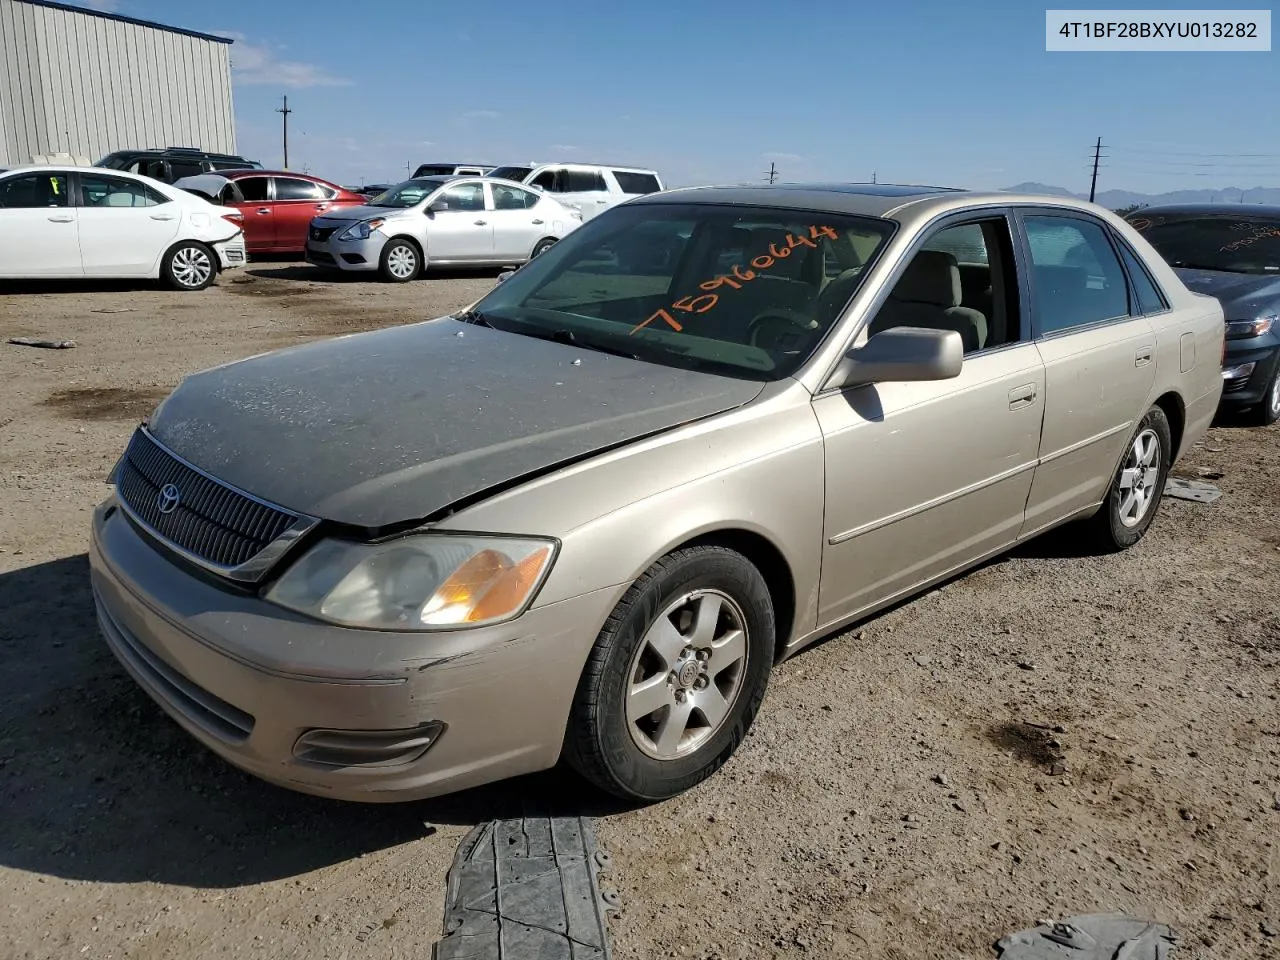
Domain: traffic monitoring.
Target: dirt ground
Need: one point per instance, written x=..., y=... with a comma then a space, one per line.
x=1053, y=734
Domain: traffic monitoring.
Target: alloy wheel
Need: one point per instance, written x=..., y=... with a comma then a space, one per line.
x=192, y=266
x=1138, y=478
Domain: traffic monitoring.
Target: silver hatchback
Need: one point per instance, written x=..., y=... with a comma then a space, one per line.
x=440, y=221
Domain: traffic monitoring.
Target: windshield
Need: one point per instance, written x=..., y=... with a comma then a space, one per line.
x=434, y=170
x=408, y=194
x=1240, y=244
x=746, y=292
x=511, y=173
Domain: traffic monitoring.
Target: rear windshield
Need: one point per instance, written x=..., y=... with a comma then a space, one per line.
x=748, y=292
x=637, y=182
x=1235, y=244
x=511, y=173
x=434, y=170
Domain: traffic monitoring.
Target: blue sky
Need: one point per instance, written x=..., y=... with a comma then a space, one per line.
x=712, y=91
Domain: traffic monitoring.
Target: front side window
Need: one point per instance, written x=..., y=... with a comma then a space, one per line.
x=34, y=190
x=1076, y=278
x=116, y=192
x=583, y=181
x=512, y=198
x=740, y=291
x=1234, y=244
x=465, y=197
x=289, y=188
x=549, y=180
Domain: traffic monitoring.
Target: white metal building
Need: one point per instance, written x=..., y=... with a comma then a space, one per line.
x=80, y=82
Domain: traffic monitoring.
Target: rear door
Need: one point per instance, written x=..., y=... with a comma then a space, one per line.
x=258, y=208
x=586, y=190
x=518, y=225
x=39, y=232
x=297, y=202
x=460, y=229
x=1099, y=356
x=125, y=225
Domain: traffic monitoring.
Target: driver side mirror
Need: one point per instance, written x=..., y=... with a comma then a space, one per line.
x=902, y=354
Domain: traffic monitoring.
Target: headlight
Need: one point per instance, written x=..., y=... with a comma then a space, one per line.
x=1239, y=329
x=421, y=582
x=361, y=230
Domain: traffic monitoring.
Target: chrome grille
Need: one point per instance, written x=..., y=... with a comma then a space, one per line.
x=212, y=523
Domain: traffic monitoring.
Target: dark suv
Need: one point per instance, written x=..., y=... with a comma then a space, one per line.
x=173, y=163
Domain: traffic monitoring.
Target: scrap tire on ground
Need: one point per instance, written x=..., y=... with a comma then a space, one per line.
x=603, y=741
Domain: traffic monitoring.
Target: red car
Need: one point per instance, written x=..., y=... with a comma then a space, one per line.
x=278, y=205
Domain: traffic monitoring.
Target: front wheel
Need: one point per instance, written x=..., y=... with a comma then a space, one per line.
x=400, y=261
x=676, y=677
x=1267, y=411
x=1138, y=486
x=189, y=266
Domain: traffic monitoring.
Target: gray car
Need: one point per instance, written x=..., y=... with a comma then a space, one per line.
x=438, y=222
x=585, y=517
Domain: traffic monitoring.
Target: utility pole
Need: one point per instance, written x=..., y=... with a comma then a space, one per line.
x=873, y=176
x=1097, y=156
x=284, y=116
x=772, y=175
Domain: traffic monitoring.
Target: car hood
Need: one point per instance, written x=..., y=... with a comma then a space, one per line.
x=396, y=425
x=1243, y=296
x=365, y=212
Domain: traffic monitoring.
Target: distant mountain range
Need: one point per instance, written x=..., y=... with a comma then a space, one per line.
x=1115, y=199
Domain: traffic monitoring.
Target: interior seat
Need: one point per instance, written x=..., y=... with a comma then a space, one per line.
x=928, y=294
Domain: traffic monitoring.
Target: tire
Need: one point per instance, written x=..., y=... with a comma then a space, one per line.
x=641, y=756
x=1267, y=411
x=401, y=261
x=545, y=244
x=1121, y=522
x=189, y=265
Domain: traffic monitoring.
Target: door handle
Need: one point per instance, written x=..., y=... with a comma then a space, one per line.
x=602, y=201
x=1022, y=396
x=61, y=218
x=537, y=221
x=162, y=216
x=263, y=211
x=1142, y=357
x=480, y=223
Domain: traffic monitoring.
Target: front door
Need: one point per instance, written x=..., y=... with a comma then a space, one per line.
x=125, y=226
x=518, y=224
x=460, y=228
x=297, y=203
x=1099, y=361
x=925, y=478
x=39, y=234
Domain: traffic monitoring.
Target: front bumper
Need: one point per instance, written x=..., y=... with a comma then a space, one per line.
x=346, y=254
x=1244, y=385
x=350, y=714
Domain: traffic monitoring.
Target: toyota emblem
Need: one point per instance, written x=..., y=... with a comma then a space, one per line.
x=167, y=499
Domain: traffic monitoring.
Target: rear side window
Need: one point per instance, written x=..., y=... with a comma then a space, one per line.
x=582, y=181
x=1145, y=291
x=1076, y=277
x=96, y=191
x=287, y=188
x=253, y=189
x=184, y=168
x=549, y=180
x=637, y=183
x=512, y=198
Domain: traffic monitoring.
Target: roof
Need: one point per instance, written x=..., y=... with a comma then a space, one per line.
x=123, y=19
x=1220, y=209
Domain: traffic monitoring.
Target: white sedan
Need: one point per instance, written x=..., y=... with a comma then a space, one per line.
x=69, y=222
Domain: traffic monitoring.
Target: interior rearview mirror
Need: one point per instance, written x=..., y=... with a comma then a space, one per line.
x=902, y=353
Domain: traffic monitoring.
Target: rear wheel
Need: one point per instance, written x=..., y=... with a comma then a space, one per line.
x=190, y=265
x=543, y=246
x=1138, y=486
x=676, y=676
x=1267, y=411
x=400, y=261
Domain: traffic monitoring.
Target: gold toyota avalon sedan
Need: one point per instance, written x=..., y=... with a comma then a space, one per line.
x=586, y=516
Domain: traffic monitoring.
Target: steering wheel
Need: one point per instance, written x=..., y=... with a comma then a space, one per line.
x=780, y=331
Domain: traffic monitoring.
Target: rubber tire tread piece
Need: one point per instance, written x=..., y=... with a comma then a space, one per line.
x=166, y=267
x=1106, y=530
x=526, y=887
x=390, y=245
x=598, y=742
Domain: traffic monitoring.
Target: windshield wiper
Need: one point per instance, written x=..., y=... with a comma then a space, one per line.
x=569, y=338
x=1189, y=265
x=474, y=316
